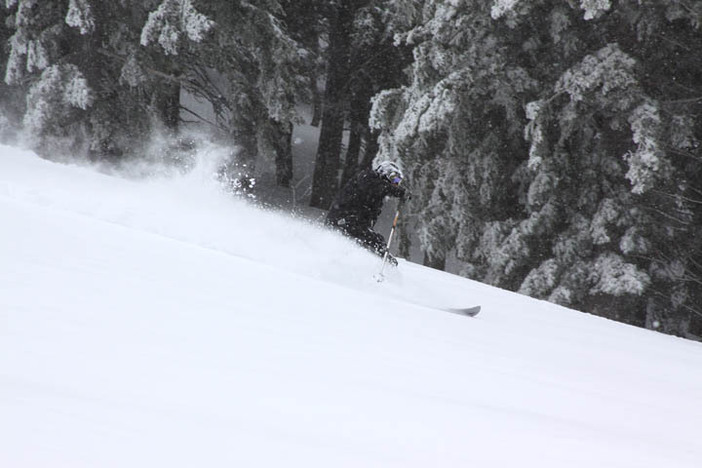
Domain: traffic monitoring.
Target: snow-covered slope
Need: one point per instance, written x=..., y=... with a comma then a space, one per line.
x=160, y=323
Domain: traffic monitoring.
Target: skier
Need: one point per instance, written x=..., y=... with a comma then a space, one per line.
x=359, y=203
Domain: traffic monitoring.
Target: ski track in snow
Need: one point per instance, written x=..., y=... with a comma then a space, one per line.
x=161, y=323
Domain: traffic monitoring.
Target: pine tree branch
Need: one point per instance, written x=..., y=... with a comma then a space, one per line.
x=683, y=101
x=201, y=118
x=682, y=153
x=673, y=42
x=666, y=298
x=674, y=197
x=665, y=215
x=166, y=76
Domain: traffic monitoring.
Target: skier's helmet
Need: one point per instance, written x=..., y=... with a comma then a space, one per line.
x=390, y=171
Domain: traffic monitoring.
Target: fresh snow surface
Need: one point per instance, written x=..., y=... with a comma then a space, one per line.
x=160, y=323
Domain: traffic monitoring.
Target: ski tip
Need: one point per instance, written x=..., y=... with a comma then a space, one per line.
x=468, y=311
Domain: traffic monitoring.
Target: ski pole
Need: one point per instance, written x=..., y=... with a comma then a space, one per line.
x=387, y=248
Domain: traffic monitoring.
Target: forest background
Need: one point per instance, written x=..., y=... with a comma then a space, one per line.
x=552, y=147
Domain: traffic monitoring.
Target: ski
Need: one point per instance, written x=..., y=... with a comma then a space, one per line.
x=467, y=311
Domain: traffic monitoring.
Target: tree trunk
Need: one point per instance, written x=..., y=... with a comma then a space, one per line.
x=238, y=172
x=352, y=152
x=283, y=155
x=403, y=228
x=166, y=105
x=358, y=113
x=371, y=149
x=325, y=178
x=316, y=100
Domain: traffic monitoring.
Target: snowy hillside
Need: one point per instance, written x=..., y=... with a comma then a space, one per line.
x=159, y=323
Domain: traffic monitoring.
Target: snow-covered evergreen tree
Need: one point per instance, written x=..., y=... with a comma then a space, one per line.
x=605, y=181
x=173, y=23
x=12, y=97
x=238, y=57
x=456, y=126
x=361, y=59
x=585, y=214
x=58, y=93
x=76, y=58
x=579, y=202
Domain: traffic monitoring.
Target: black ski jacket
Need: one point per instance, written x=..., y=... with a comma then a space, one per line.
x=360, y=202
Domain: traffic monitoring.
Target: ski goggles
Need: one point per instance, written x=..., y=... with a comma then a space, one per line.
x=395, y=179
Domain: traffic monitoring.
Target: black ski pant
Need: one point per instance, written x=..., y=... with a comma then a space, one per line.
x=365, y=236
